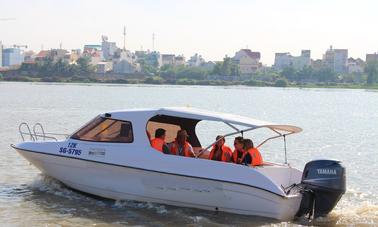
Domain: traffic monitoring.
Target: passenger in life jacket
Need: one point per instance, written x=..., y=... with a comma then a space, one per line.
x=252, y=156
x=220, y=151
x=238, y=151
x=149, y=136
x=181, y=146
x=159, y=141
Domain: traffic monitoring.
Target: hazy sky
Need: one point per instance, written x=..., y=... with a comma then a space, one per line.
x=211, y=28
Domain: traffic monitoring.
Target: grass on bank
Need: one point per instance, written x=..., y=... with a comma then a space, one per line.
x=156, y=80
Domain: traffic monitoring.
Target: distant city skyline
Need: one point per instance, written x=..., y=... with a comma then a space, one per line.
x=211, y=28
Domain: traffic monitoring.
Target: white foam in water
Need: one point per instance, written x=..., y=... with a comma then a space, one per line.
x=160, y=209
x=359, y=214
x=50, y=185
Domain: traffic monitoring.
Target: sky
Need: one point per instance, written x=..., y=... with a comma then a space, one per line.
x=208, y=27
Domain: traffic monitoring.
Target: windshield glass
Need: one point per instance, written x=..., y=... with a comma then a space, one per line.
x=106, y=130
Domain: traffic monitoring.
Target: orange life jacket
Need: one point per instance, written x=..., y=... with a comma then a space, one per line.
x=187, y=152
x=256, y=156
x=235, y=156
x=157, y=143
x=226, y=153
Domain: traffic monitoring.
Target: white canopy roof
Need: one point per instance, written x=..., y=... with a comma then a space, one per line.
x=198, y=114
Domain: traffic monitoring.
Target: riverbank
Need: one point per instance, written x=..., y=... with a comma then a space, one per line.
x=160, y=81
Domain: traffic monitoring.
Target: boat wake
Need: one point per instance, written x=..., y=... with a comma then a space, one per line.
x=160, y=209
x=352, y=210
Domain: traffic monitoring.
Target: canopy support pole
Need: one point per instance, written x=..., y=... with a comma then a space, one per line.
x=284, y=137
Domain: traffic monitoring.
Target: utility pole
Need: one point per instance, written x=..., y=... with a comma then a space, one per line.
x=124, y=37
x=153, y=41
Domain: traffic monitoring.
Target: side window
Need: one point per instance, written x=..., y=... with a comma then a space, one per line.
x=171, y=130
x=106, y=130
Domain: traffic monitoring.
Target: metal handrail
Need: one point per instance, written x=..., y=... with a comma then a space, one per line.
x=25, y=133
x=35, y=134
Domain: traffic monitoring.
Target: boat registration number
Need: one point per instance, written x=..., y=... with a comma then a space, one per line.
x=70, y=149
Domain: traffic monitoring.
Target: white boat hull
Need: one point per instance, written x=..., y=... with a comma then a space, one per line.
x=128, y=183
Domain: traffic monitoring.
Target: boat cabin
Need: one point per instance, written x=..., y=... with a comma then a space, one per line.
x=139, y=126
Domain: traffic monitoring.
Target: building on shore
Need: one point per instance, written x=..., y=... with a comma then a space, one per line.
x=108, y=48
x=12, y=57
x=58, y=54
x=124, y=62
x=150, y=58
x=73, y=56
x=168, y=59
x=195, y=61
x=29, y=56
x=125, y=67
x=356, y=66
x=154, y=59
x=248, y=61
x=104, y=67
x=336, y=59
x=179, y=60
x=42, y=56
x=317, y=64
x=371, y=57
x=284, y=60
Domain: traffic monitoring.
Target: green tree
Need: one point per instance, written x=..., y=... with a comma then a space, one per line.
x=226, y=68
x=289, y=73
x=282, y=82
x=217, y=70
x=84, y=67
x=371, y=70
x=46, y=67
x=305, y=74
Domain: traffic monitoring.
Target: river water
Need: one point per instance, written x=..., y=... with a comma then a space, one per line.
x=338, y=123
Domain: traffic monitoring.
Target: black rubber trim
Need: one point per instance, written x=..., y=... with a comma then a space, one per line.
x=138, y=168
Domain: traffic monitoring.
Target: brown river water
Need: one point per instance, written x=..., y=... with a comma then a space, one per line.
x=338, y=124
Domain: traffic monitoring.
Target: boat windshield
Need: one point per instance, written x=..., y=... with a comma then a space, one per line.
x=106, y=130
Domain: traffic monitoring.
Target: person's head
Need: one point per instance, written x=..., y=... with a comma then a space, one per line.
x=182, y=136
x=160, y=133
x=238, y=143
x=248, y=144
x=221, y=140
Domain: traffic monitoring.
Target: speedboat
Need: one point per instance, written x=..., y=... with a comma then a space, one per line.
x=111, y=157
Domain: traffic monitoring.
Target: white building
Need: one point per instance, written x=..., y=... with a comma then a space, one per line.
x=153, y=58
x=196, y=60
x=179, y=60
x=167, y=59
x=283, y=60
x=108, y=48
x=125, y=67
x=248, y=61
x=336, y=59
x=355, y=65
x=126, y=63
x=104, y=67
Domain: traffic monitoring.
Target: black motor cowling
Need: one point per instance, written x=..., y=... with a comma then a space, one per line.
x=323, y=184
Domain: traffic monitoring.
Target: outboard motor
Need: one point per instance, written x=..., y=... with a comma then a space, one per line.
x=323, y=184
